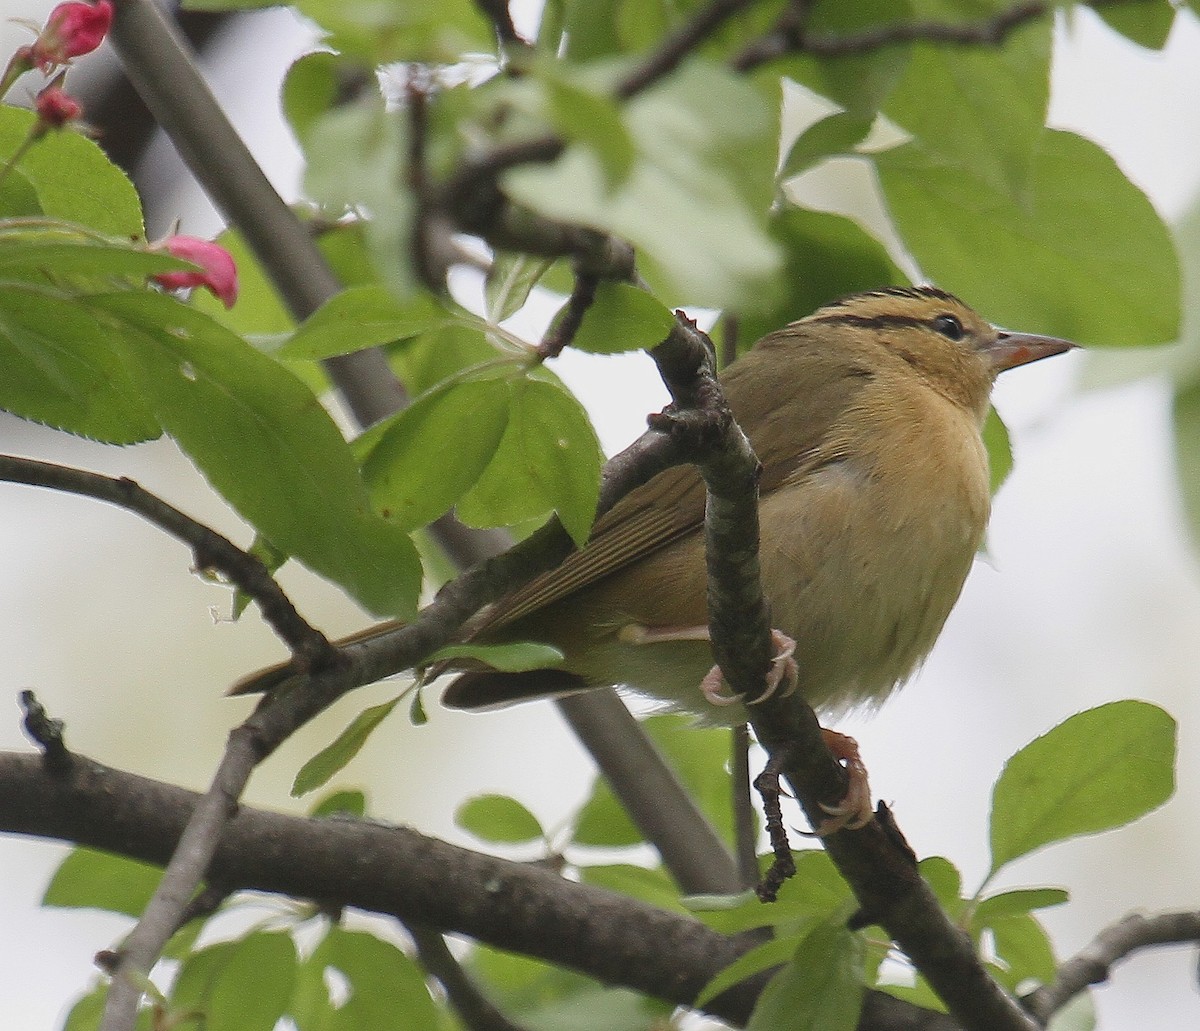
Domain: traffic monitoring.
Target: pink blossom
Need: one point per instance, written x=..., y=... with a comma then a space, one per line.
x=217, y=271
x=56, y=107
x=73, y=29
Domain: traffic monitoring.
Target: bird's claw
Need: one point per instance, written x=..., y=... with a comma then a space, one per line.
x=854, y=811
x=783, y=670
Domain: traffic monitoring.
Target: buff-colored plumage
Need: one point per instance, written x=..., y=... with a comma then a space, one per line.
x=866, y=417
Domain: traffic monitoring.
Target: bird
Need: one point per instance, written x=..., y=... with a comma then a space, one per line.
x=875, y=494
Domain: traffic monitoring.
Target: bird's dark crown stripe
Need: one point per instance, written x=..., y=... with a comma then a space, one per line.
x=916, y=292
x=872, y=321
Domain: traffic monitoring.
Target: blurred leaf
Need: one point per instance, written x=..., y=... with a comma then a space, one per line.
x=651, y=886
x=517, y=657
x=1016, y=902
x=386, y=990
x=774, y=952
x=242, y=985
x=88, y=1012
x=808, y=898
x=340, y=803
x=355, y=154
x=592, y=119
x=360, y=317
x=547, y=460
x=697, y=754
x=1087, y=258
x=1146, y=24
x=72, y=177
x=1077, y=1015
x=499, y=819
x=825, y=257
x=623, y=318
x=311, y=87
x=944, y=879
x=1100, y=769
x=838, y=133
x=1186, y=410
x=706, y=142
x=821, y=989
x=999, y=449
x=89, y=879
x=859, y=82
x=334, y=756
x=1021, y=944
x=509, y=282
x=980, y=109
x=402, y=30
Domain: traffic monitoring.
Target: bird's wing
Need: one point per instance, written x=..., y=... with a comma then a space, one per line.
x=787, y=429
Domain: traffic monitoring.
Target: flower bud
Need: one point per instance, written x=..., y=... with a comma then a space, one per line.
x=217, y=272
x=73, y=29
x=55, y=107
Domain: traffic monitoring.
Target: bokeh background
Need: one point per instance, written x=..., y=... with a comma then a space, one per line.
x=1089, y=591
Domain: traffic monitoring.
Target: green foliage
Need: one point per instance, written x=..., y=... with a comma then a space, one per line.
x=1037, y=228
x=1098, y=770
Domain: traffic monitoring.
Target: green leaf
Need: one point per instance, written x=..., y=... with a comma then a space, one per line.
x=697, y=755
x=509, y=282
x=361, y=317
x=1147, y=24
x=386, y=990
x=89, y=879
x=653, y=886
x=266, y=444
x=944, y=879
x=999, y=449
x=825, y=257
x=427, y=361
x=241, y=985
x=1016, y=902
x=766, y=956
x=311, y=87
x=516, y=657
x=980, y=109
x=65, y=368
x=429, y=455
x=227, y=5
x=706, y=144
x=859, y=82
x=1022, y=946
x=623, y=318
x=548, y=459
x=1098, y=770
x=1086, y=258
x=355, y=155
x=340, y=803
x=499, y=819
x=402, y=30
x=72, y=177
x=838, y=133
x=1186, y=410
x=334, y=756
x=821, y=989
x=592, y=119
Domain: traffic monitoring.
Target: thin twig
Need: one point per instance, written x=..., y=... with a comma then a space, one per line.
x=1093, y=964
x=46, y=732
x=210, y=549
x=476, y=1011
x=570, y=318
x=501, y=17
x=790, y=37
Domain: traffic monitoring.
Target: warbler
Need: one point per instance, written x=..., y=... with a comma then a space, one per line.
x=874, y=499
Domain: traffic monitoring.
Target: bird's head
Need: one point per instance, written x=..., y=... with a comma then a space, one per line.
x=948, y=344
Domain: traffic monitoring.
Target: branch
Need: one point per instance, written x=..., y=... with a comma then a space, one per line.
x=474, y=1009
x=210, y=550
x=1094, y=963
x=419, y=880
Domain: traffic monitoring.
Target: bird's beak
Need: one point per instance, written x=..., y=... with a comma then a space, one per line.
x=1009, y=350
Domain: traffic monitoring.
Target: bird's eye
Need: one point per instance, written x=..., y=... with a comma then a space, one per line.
x=949, y=327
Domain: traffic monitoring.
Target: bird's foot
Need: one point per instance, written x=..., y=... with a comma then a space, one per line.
x=853, y=811
x=783, y=671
